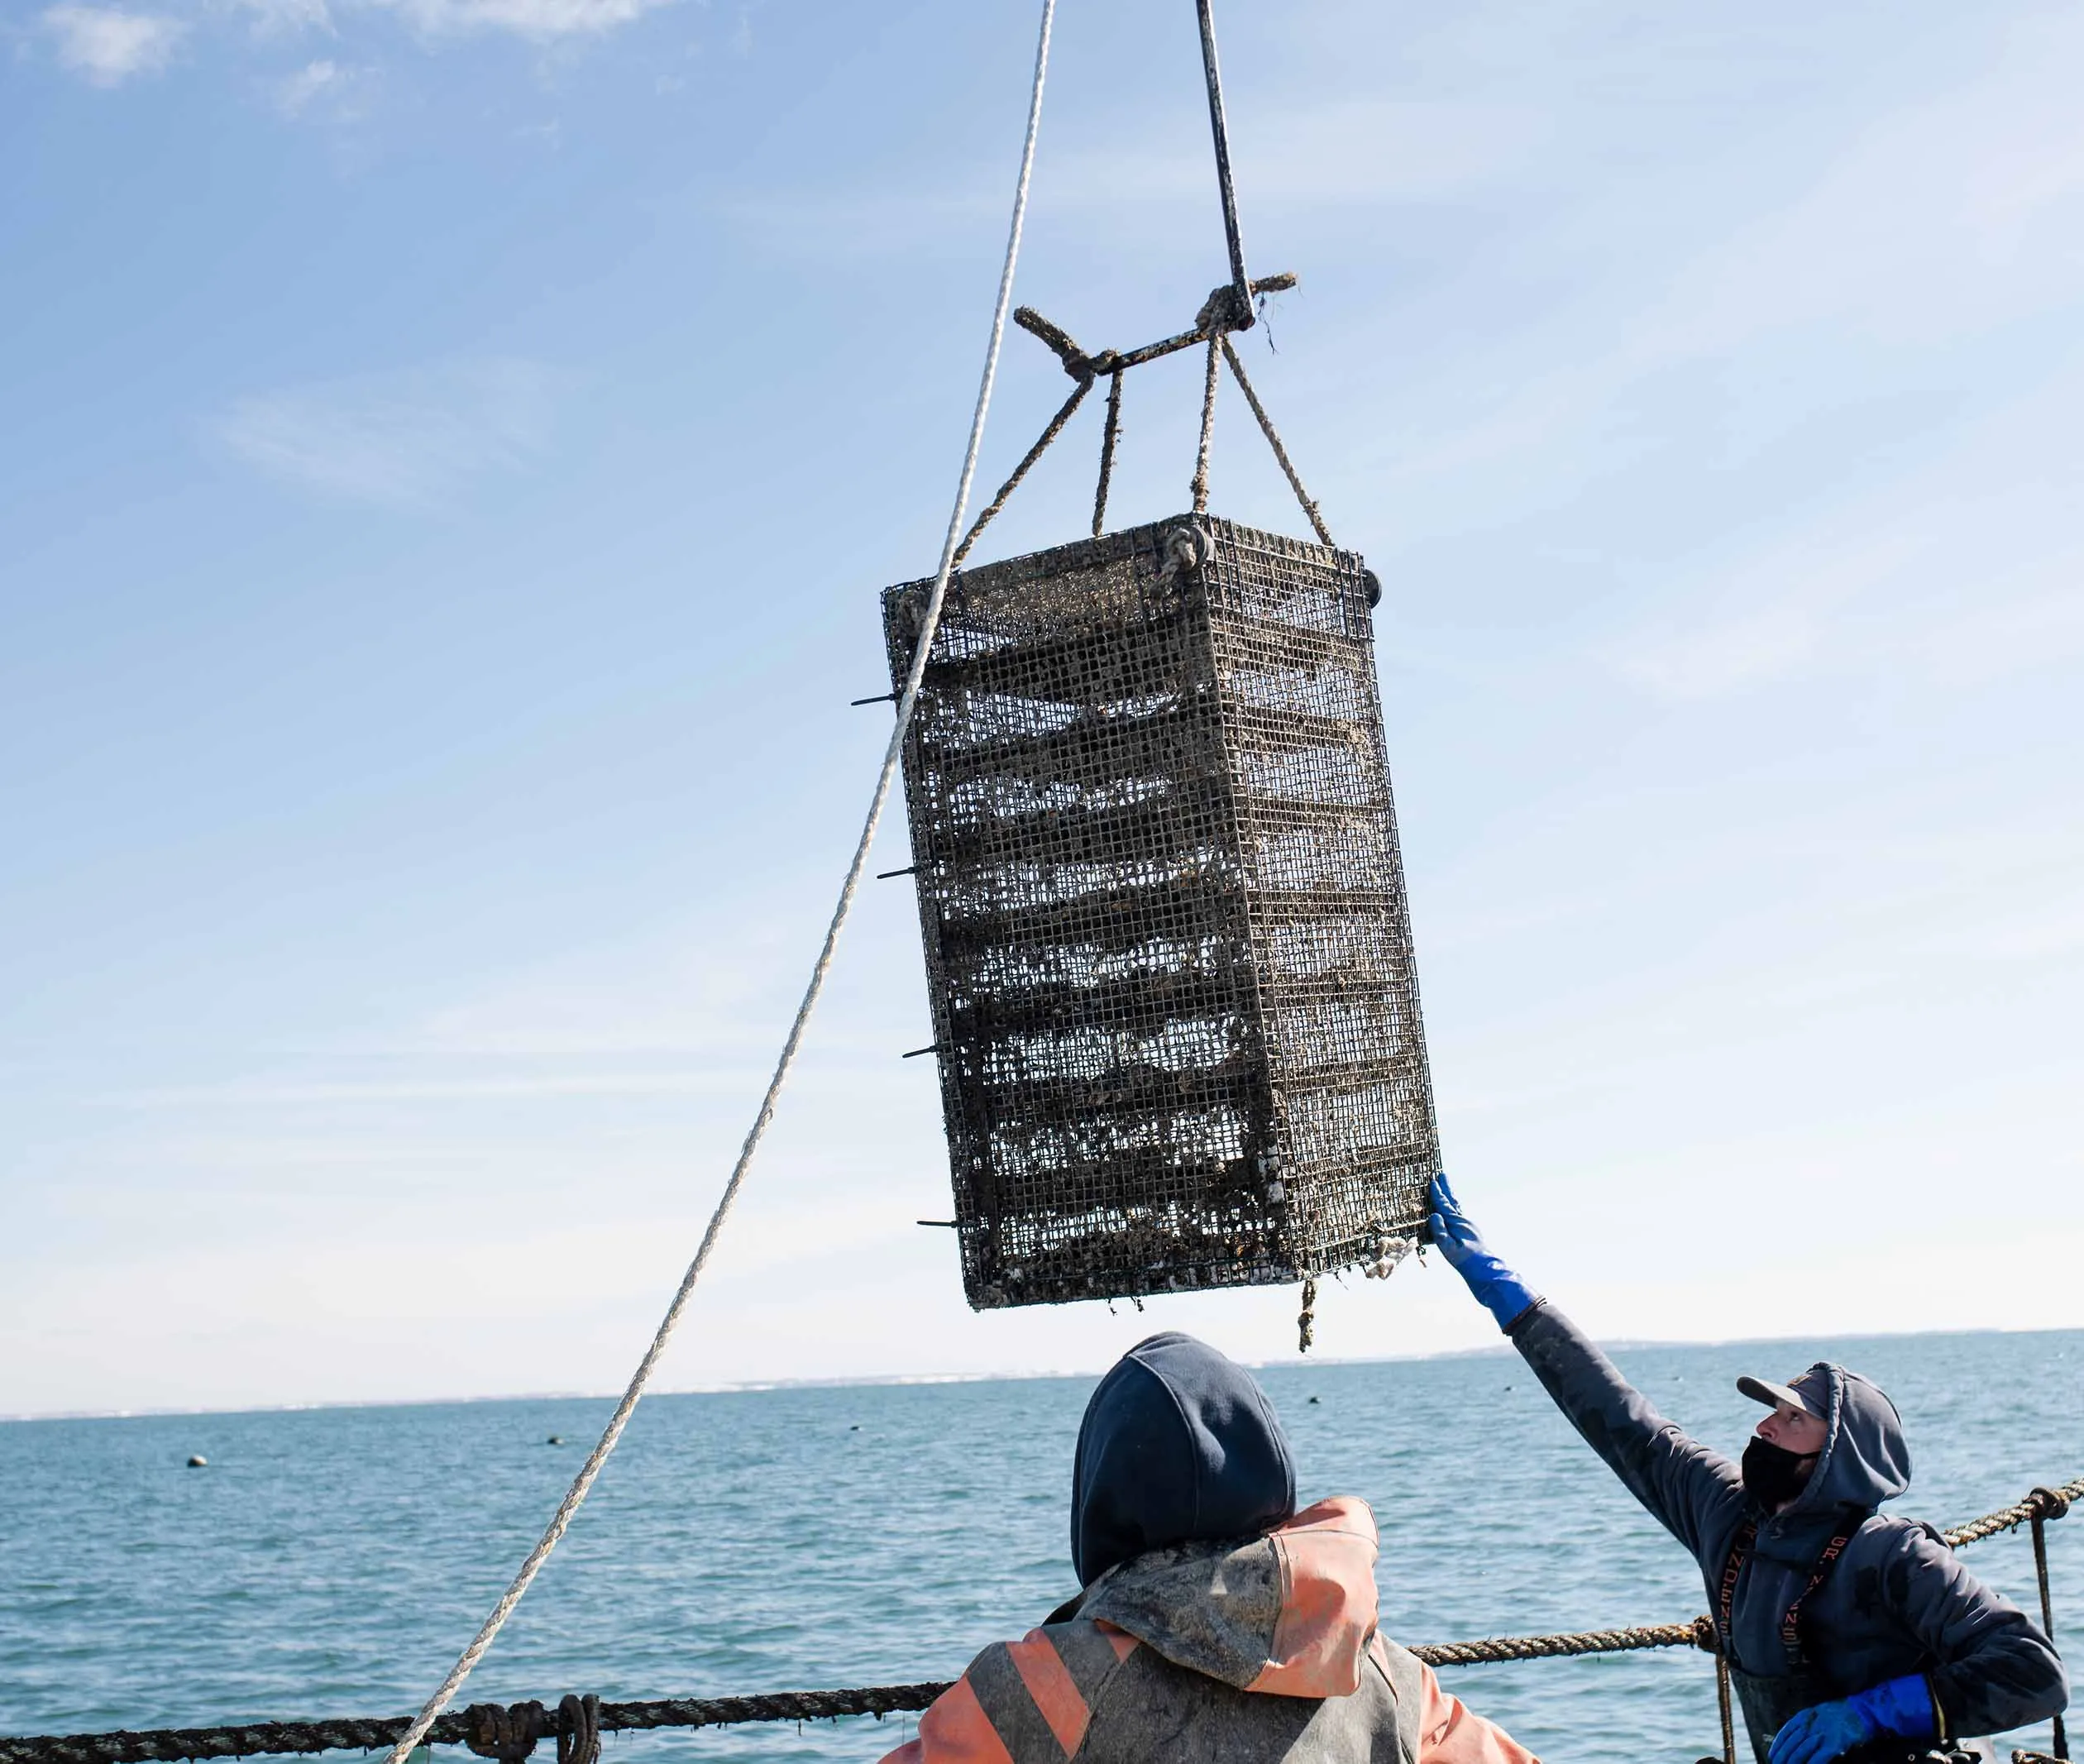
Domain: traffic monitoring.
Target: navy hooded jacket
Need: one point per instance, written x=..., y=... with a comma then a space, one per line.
x=1215, y=1624
x=1898, y=1603
x=1179, y=1444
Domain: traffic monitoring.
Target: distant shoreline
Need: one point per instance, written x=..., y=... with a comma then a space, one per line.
x=753, y=1386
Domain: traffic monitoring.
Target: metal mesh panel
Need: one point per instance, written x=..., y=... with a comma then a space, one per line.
x=1167, y=943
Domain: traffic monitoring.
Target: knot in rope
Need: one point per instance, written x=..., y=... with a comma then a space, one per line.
x=579, y=1730
x=1225, y=309
x=507, y=1732
x=1183, y=556
x=2048, y=1503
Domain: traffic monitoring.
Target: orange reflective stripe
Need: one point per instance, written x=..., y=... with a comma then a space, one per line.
x=1125, y=1644
x=1049, y=1681
x=1087, y=1656
x=956, y=1731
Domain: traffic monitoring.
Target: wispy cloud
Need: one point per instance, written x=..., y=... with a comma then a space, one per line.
x=323, y=87
x=541, y=20
x=540, y=1083
x=404, y=440
x=1910, y=580
x=1944, y=217
x=109, y=46
x=278, y=18
x=1940, y=221
x=1334, y=153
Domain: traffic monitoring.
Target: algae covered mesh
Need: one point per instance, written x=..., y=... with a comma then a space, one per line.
x=1166, y=942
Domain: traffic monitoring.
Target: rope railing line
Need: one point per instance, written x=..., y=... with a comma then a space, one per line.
x=353, y=1734
x=421, y=1724
x=1496, y=1649
x=2042, y=1503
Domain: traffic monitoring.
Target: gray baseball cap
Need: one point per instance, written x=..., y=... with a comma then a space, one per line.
x=1808, y=1392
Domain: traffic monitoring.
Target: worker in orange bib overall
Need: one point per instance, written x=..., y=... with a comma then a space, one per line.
x=1216, y=1625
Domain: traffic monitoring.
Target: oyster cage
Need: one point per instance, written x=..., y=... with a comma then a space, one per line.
x=1167, y=945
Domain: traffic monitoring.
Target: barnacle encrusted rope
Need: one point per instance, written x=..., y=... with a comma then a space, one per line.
x=1200, y=486
x=357, y=1733
x=1049, y=433
x=599, y=1456
x=1108, y=439
x=1274, y=440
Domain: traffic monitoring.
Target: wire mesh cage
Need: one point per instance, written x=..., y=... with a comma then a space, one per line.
x=1167, y=946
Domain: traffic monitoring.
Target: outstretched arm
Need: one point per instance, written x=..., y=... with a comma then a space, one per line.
x=1683, y=1485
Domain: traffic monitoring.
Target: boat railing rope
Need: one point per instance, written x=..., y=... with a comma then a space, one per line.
x=509, y=1733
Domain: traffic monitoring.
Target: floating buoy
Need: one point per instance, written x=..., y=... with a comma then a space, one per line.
x=1316, y=1400
x=555, y=1439
x=198, y=1461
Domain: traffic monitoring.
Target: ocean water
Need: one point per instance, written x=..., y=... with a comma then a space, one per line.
x=333, y=1562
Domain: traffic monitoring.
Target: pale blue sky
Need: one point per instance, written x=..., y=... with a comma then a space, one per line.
x=454, y=446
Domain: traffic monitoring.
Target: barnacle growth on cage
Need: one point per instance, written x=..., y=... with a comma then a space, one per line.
x=1168, y=947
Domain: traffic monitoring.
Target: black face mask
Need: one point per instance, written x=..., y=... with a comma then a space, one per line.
x=1773, y=1475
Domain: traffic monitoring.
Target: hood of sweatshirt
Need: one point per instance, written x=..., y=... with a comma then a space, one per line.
x=1292, y=1614
x=1865, y=1459
x=1178, y=1445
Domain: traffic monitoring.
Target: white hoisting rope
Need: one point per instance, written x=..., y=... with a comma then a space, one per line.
x=591, y=1470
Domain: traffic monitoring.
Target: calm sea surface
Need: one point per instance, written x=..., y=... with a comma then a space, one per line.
x=333, y=1562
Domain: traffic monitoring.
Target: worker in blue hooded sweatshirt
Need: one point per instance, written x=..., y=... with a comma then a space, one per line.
x=1849, y=1635
x=1216, y=1625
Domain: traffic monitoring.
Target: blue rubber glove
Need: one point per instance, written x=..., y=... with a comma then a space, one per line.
x=1902, y=1706
x=1498, y=1288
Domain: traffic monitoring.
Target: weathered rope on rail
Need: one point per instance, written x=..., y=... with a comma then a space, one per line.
x=1699, y=1633
x=2044, y=1503
x=420, y=1726
x=351, y=1733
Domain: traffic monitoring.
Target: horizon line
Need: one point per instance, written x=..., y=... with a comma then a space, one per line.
x=749, y=1387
